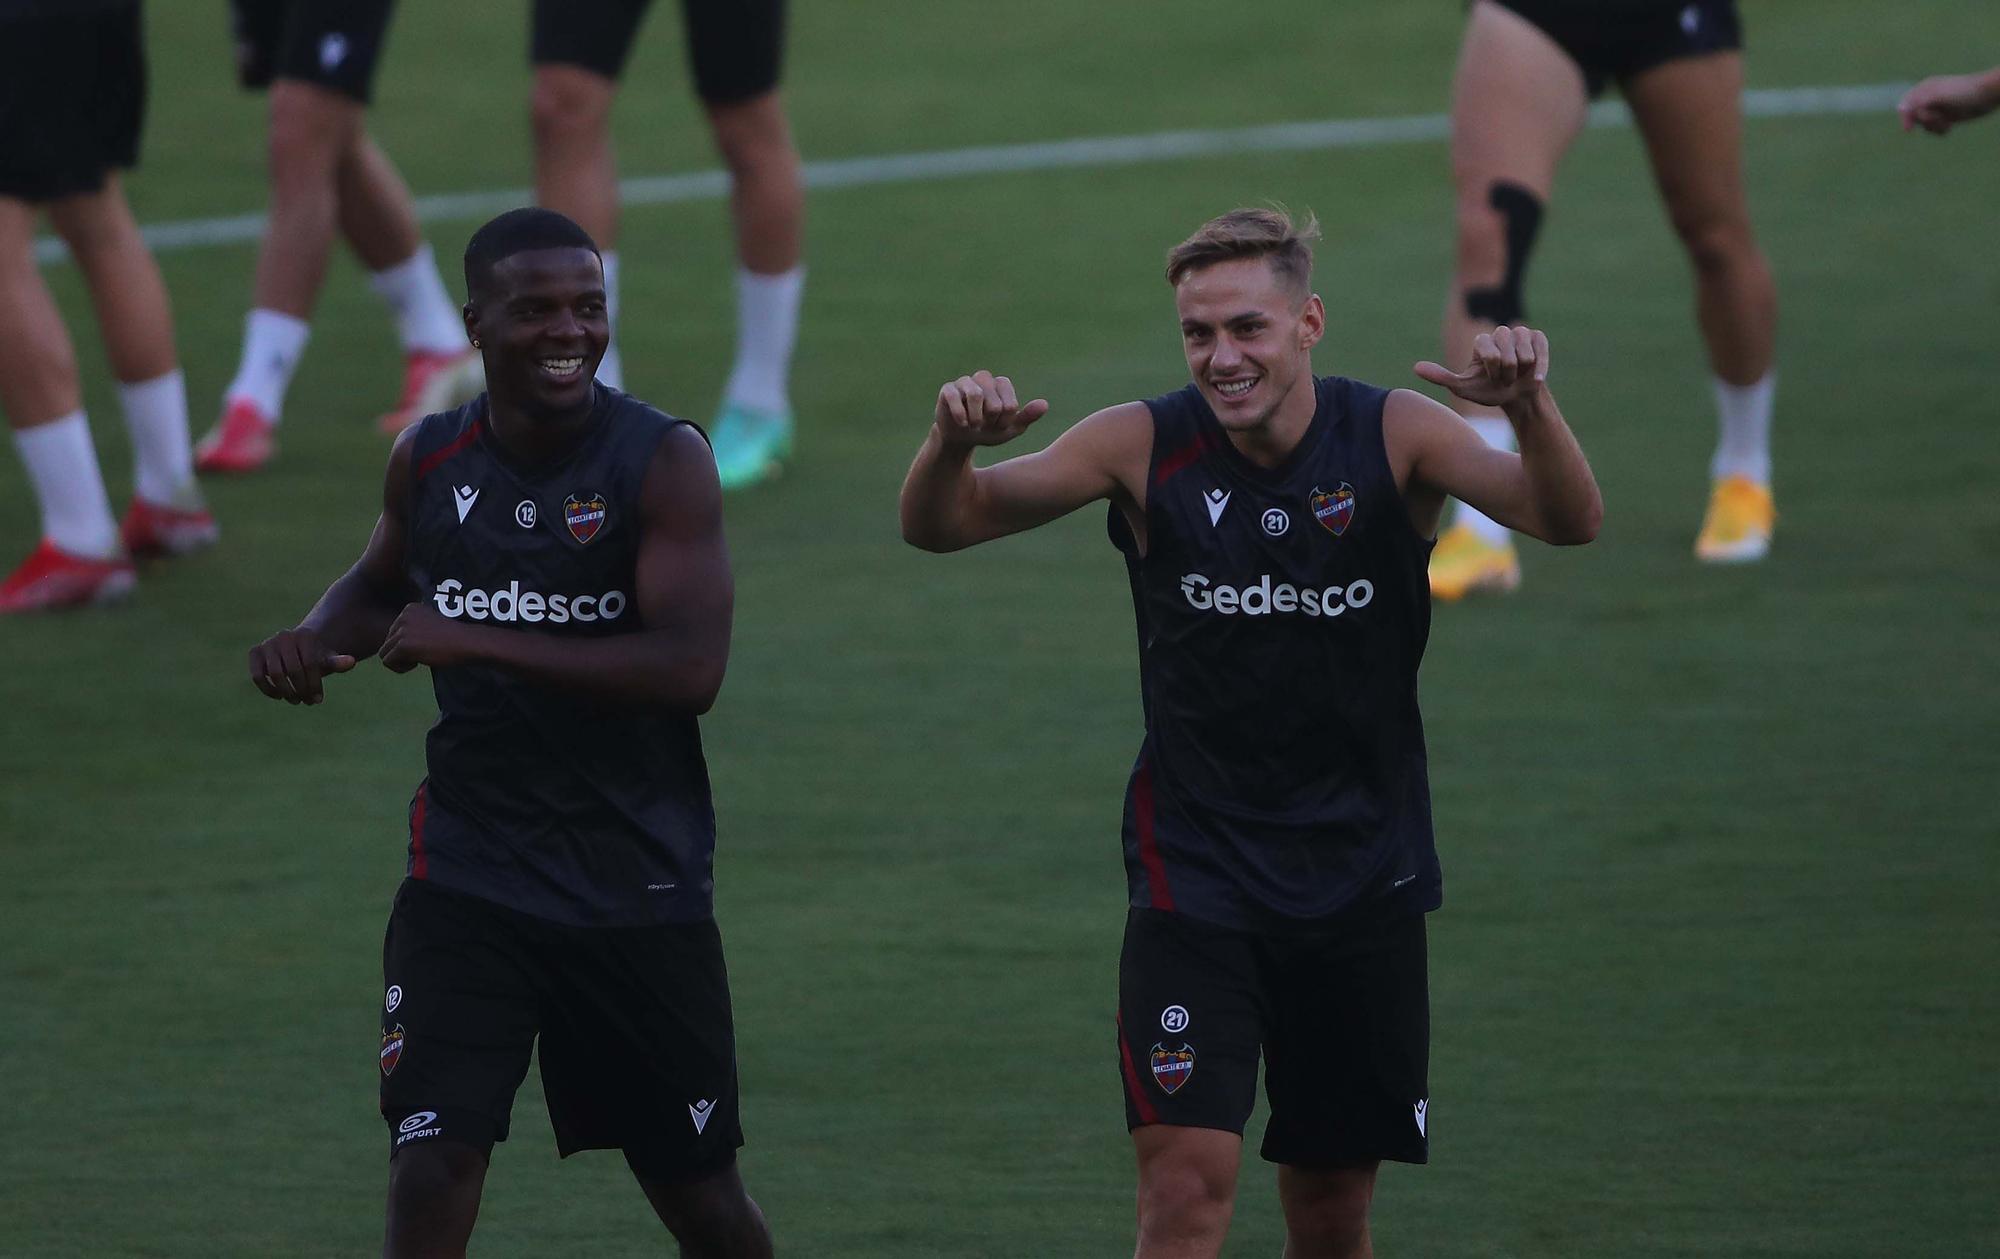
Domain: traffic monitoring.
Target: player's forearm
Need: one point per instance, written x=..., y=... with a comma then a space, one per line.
x=354, y=615
x=1989, y=90
x=650, y=669
x=1562, y=491
x=938, y=497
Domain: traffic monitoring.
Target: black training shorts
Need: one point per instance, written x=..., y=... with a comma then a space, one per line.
x=735, y=47
x=72, y=100
x=334, y=44
x=1342, y=1019
x=638, y=1050
x=1614, y=43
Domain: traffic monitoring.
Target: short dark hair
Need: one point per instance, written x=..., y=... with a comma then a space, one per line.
x=515, y=232
x=1249, y=233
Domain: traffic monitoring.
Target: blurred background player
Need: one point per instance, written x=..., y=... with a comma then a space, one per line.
x=1943, y=101
x=735, y=48
x=72, y=98
x=1526, y=73
x=318, y=57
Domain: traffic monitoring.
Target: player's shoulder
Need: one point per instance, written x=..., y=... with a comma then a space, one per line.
x=636, y=421
x=441, y=435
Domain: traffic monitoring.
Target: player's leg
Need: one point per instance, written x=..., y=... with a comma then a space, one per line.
x=379, y=221
x=167, y=515
x=712, y=1217
x=1187, y=1190
x=579, y=50
x=77, y=560
x=1326, y=1211
x=323, y=70
x=71, y=93
x=1189, y=1023
x=1346, y=1071
x=434, y=1192
x=1690, y=112
x=460, y=1009
x=736, y=47
x=1518, y=102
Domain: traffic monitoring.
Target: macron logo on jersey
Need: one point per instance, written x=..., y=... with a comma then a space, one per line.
x=511, y=603
x=463, y=497
x=1265, y=599
x=1217, y=500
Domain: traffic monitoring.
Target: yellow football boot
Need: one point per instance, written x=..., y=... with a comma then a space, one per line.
x=1465, y=563
x=1738, y=526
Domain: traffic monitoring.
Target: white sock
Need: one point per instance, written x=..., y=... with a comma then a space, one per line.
x=1496, y=432
x=767, y=324
x=272, y=343
x=425, y=318
x=62, y=466
x=1743, y=443
x=156, y=415
x=611, y=370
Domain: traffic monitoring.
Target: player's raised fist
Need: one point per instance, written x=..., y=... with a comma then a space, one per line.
x=982, y=410
x=1508, y=364
x=1942, y=102
x=423, y=635
x=290, y=663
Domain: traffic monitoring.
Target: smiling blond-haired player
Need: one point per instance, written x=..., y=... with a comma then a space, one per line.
x=1275, y=526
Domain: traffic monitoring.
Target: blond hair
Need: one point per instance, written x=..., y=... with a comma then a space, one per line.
x=1251, y=232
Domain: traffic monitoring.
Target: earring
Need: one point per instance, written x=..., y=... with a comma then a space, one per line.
x=475, y=343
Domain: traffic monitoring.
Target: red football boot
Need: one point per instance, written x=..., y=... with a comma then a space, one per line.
x=53, y=578
x=432, y=382
x=241, y=441
x=154, y=530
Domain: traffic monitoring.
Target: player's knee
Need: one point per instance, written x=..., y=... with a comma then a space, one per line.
x=431, y=1176
x=1184, y=1196
x=707, y=1215
x=752, y=134
x=1715, y=243
x=568, y=103
x=1328, y=1216
x=1497, y=227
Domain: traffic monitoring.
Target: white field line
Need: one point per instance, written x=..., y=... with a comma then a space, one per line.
x=1160, y=146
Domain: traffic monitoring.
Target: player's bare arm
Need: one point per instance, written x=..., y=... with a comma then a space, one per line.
x=684, y=594
x=1546, y=491
x=948, y=505
x=353, y=617
x=1943, y=101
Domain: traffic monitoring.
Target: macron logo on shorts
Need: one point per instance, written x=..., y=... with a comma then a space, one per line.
x=700, y=1112
x=1423, y=1105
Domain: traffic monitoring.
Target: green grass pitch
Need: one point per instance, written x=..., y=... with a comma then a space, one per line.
x=1716, y=972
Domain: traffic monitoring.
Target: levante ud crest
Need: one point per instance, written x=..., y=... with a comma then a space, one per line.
x=584, y=514
x=392, y=1049
x=1334, y=510
x=1172, y=1067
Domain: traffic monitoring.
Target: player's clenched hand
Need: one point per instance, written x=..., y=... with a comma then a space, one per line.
x=1508, y=364
x=1940, y=103
x=981, y=410
x=290, y=663
x=423, y=635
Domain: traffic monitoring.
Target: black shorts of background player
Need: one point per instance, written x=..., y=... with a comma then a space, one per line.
x=72, y=98
x=318, y=59
x=549, y=897
x=735, y=49
x=1525, y=76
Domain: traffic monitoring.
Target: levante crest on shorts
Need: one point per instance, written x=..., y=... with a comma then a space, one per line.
x=392, y=1049
x=1335, y=510
x=584, y=514
x=1172, y=1067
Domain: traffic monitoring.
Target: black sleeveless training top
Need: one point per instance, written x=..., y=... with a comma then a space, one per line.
x=547, y=801
x=1282, y=615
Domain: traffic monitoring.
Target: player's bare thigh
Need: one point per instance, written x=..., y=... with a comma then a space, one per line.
x=1690, y=111
x=1518, y=102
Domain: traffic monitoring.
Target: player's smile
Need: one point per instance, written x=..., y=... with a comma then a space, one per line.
x=562, y=370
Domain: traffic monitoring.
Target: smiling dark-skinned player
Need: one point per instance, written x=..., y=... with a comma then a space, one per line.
x=553, y=550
